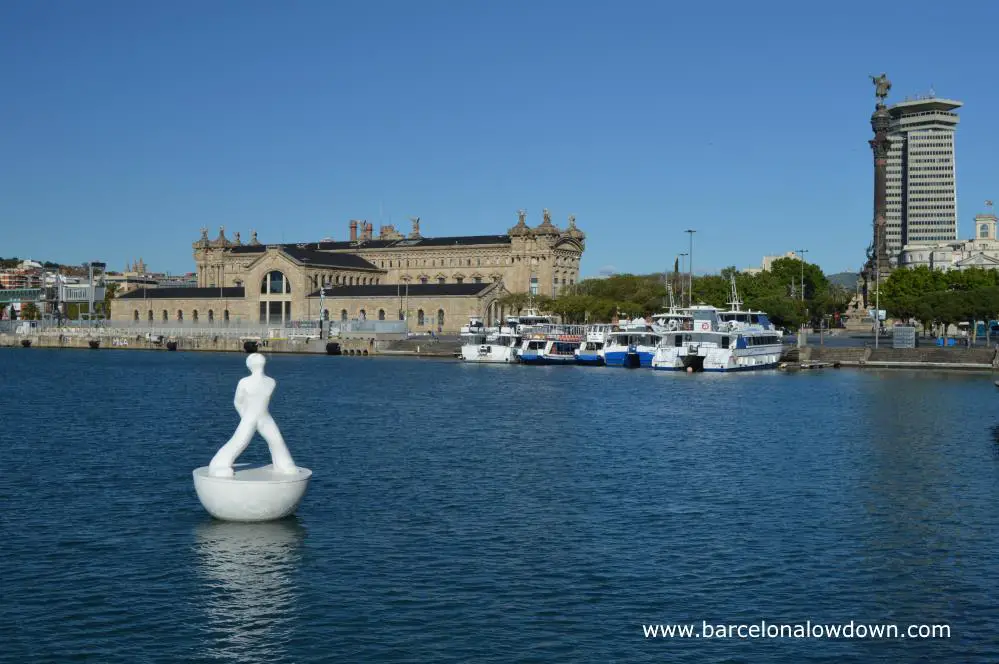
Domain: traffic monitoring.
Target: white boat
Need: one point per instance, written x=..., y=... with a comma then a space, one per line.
x=632, y=345
x=591, y=350
x=491, y=345
x=673, y=319
x=551, y=344
x=732, y=340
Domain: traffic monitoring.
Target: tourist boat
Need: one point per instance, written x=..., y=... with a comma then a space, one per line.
x=632, y=345
x=491, y=345
x=550, y=344
x=673, y=319
x=591, y=350
x=732, y=340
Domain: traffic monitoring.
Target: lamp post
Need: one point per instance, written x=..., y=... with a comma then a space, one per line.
x=690, y=267
x=683, y=268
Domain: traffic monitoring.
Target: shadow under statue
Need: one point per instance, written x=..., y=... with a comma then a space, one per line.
x=252, y=494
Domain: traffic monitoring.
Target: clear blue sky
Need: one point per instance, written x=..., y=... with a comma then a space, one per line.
x=126, y=126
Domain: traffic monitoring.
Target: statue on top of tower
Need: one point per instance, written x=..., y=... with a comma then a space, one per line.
x=881, y=87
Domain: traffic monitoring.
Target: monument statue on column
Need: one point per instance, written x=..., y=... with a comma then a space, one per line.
x=878, y=259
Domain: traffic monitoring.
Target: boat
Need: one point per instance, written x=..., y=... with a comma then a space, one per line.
x=591, y=350
x=674, y=318
x=545, y=349
x=491, y=345
x=632, y=345
x=721, y=340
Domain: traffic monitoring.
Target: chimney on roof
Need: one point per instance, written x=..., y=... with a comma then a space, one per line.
x=369, y=229
x=353, y=230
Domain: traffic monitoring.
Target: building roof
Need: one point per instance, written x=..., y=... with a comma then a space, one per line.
x=414, y=290
x=327, y=259
x=183, y=293
x=457, y=240
x=922, y=105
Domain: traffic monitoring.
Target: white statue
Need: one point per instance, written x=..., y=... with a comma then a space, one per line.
x=253, y=395
x=252, y=494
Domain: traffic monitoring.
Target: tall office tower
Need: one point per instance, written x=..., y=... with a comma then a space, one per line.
x=921, y=205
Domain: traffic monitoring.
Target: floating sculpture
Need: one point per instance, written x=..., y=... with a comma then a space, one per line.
x=252, y=494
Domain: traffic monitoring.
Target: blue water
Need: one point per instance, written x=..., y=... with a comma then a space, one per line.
x=495, y=513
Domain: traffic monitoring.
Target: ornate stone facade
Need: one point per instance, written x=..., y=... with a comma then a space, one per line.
x=982, y=251
x=543, y=260
x=450, y=278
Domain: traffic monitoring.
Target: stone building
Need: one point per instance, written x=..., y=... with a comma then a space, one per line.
x=434, y=283
x=982, y=251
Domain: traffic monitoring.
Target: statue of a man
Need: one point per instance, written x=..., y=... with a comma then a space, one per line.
x=881, y=86
x=547, y=216
x=521, y=216
x=253, y=395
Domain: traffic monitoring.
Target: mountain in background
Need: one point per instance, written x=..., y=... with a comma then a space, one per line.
x=847, y=280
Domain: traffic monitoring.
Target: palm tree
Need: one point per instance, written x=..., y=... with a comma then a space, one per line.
x=110, y=292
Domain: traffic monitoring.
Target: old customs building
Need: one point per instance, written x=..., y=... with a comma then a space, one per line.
x=436, y=283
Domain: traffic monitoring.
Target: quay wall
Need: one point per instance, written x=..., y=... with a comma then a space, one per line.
x=928, y=358
x=347, y=345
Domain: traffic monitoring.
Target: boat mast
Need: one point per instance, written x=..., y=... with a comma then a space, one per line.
x=734, y=303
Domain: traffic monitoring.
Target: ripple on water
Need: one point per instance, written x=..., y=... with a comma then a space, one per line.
x=494, y=514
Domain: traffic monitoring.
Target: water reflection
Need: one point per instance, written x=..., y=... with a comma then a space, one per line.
x=249, y=569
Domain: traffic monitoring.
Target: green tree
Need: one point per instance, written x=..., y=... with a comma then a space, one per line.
x=110, y=292
x=30, y=311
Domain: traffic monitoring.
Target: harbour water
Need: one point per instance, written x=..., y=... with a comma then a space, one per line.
x=469, y=513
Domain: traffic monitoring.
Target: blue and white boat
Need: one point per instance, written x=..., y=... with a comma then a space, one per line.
x=549, y=350
x=591, y=351
x=632, y=345
x=732, y=340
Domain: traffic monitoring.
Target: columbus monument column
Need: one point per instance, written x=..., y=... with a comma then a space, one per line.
x=878, y=264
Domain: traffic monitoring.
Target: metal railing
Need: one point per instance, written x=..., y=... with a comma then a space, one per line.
x=225, y=329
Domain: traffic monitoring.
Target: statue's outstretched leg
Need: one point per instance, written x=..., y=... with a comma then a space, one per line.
x=221, y=463
x=280, y=456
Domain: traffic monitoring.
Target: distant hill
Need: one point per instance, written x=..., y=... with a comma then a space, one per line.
x=847, y=280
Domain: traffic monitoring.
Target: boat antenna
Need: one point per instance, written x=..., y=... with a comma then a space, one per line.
x=735, y=295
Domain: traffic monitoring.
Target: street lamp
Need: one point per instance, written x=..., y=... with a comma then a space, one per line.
x=690, y=267
x=683, y=268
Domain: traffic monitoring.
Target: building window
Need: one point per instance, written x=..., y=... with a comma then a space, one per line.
x=459, y=280
x=180, y=314
x=326, y=314
x=165, y=316
x=150, y=315
x=983, y=231
x=534, y=285
x=343, y=314
x=381, y=314
x=423, y=280
x=211, y=316
x=478, y=280
x=274, y=283
x=136, y=316
x=440, y=280
x=420, y=319
x=194, y=315
x=402, y=315
x=440, y=318
x=225, y=315
x=364, y=315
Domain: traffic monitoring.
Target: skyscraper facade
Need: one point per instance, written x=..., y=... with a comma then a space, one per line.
x=921, y=206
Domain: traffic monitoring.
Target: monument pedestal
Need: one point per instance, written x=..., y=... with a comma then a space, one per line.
x=251, y=494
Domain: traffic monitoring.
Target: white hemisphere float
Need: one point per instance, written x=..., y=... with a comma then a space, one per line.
x=252, y=494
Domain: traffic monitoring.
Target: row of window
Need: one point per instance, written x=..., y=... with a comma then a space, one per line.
x=165, y=315
x=421, y=316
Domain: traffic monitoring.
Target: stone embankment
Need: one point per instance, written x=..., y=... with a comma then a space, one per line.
x=986, y=359
x=358, y=345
